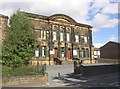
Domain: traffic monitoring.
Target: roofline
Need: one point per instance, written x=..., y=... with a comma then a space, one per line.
x=110, y=42
x=49, y=18
x=86, y=25
x=36, y=15
x=4, y=16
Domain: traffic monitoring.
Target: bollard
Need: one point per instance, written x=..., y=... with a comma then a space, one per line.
x=59, y=75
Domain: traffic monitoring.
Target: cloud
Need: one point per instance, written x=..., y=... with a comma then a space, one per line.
x=98, y=45
x=50, y=7
x=79, y=10
x=113, y=38
x=100, y=13
x=111, y=8
x=103, y=21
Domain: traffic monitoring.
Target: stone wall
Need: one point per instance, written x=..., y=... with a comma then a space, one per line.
x=41, y=62
x=88, y=70
x=103, y=60
x=25, y=80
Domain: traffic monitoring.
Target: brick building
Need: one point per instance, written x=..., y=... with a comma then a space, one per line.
x=60, y=36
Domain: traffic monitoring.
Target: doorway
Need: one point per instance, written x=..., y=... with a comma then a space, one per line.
x=69, y=54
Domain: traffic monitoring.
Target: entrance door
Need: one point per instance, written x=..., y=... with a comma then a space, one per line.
x=55, y=53
x=69, y=54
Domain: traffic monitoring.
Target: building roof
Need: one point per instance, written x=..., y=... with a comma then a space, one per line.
x=52, y=17
x=96, y=48
x=111, y=42
x=3, y=16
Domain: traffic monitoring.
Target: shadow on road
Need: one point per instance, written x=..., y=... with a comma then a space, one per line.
x=73, y=80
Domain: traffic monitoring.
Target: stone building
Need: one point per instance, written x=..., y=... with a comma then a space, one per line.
x=3, y=26
x=60, y=36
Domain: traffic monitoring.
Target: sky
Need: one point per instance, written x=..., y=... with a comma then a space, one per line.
x=102, y=15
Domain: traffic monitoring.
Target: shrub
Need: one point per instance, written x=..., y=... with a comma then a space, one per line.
x=20, y=71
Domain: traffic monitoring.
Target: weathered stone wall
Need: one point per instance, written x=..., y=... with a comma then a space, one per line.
x=25, y=80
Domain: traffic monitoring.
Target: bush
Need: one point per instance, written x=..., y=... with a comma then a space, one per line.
x=20, y=71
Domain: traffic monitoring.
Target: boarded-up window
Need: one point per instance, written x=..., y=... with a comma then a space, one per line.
x=61, y=36
x=85, y=39
x=76, y=38
x=68, y=37
x=54, y=36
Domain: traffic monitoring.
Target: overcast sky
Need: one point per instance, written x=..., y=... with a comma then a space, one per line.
x=101, y=14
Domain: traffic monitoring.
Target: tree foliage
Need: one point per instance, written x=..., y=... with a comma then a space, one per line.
x=18, y=46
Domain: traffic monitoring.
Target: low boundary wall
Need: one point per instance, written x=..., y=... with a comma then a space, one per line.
x=96, y=69
x=99, y=69
x=8, y=81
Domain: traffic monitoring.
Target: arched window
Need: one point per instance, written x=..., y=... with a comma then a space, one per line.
x=87, y=53
x=43, y=33
x=83, y=53
x=78, y=53
x=55, y=29
x=61, y=33
x=68, y=31
x=62, y=52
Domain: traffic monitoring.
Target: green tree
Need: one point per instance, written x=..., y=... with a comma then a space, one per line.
x=18, y=46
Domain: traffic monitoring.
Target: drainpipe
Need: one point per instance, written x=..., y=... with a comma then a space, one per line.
x=90, y=35
x=72, y=34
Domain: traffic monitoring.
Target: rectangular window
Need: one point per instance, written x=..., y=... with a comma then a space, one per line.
x=95, y=52
x=74, y=52
x=52, y=51
x=68, y=37
x=98, y=52
x=61, y=37
x=76, y=38
x=54, y=36
x=37, y=53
